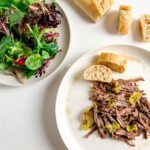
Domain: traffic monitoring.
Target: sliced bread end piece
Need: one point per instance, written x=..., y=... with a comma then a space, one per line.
x=145, y=27
x=98, y=73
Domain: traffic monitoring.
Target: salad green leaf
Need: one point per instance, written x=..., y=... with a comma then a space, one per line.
x=34, y=62
x=29, y=2
x=11, y=49
x=18, y=49
x=15, y=18
x=45, y=54
x=4, y=44
x=21, y=4
x=51, y=48
x=35, y=34
x=30, y=73
x=8, y=59
x=3, y=66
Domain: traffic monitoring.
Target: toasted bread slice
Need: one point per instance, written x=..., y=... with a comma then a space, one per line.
x=98, y=73
x=125, y=17
x=94, y=8
x=145, y=27
x=113, y=61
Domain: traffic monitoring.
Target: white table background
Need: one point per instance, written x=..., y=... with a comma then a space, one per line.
x=27, y=114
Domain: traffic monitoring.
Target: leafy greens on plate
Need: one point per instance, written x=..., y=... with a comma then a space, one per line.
x=28, y=37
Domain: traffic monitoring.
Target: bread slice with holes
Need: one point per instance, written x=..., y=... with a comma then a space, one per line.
x=98, y=73
x=113, y=61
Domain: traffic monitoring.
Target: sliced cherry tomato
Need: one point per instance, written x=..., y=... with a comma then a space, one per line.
x=20, y=61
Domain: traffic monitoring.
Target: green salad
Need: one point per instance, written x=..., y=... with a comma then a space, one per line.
x=28, y=37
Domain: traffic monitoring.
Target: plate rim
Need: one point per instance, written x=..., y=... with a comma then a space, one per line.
x=59, y=66
x=58, y=122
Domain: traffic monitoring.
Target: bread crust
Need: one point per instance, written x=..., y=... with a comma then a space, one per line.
x=94, y=8
x=144, y=25
x=113, y=61
x=105, y=5
x=125, y=17
x=98, y=73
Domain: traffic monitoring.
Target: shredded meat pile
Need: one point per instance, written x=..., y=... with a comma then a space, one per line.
x=121, y=110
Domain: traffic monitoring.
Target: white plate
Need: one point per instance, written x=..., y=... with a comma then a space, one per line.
x=63, y=43
x=73, y=98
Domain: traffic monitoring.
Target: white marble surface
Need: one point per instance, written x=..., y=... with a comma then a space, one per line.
x=27, y=114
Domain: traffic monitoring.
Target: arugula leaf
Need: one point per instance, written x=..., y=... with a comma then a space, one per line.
x=35, y=34
x=6, y=4
x=33, y=31
x=11, y=50
x=15, y=50
x=18, y=49
x=3, y=8
x=40, y=45
x=20, y=4
x=4, y=43
x=8, y=59
x=3, y=66
x=15, y=18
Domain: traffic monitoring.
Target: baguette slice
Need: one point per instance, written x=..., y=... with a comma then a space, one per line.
x=105, y=5
x=90, y=7
x=145, y=27
x=94, y=8
x=113, y=61
x=125, y=17
x=98, y=73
